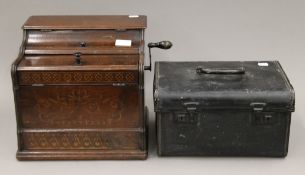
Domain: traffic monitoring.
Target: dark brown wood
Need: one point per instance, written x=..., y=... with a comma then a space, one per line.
x=89, y=62
x=86, y=22
x=77, y=95
x=97, y=107
x=77, y=77
x=73, y=38
x=85, y=41
x=93, y=140
x=105, y=50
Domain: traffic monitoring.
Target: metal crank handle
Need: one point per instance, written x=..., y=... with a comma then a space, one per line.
x=160, y=45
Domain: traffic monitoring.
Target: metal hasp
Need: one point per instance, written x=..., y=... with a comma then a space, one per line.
x=161, y=45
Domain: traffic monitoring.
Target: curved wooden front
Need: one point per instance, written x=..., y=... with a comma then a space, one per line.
x=52, y=107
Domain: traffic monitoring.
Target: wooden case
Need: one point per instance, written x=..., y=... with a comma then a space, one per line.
x=78, y=95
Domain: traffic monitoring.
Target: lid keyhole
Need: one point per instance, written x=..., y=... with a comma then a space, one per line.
x=83, y=44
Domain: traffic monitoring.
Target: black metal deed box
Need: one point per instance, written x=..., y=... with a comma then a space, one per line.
x=222, y=108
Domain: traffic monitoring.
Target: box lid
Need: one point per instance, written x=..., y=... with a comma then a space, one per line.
x=86, y=22
x=242, y=85
x=85, y=34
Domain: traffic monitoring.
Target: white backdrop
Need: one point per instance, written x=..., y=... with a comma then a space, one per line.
x=200, y=30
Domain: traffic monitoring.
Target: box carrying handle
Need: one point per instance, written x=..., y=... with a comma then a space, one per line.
x=201, y=70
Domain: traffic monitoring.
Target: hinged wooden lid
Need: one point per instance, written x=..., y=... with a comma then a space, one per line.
x=85, y=34
x=86, y=22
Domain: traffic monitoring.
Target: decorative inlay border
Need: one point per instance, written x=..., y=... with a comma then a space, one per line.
x=39, y=77
x=80, y=140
